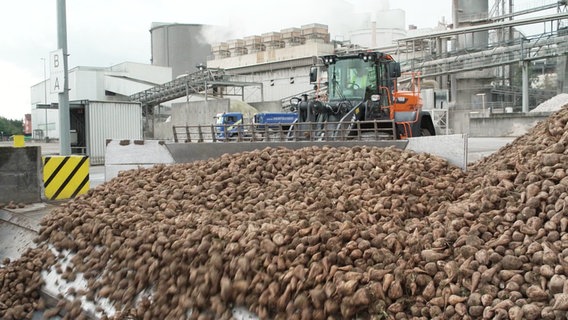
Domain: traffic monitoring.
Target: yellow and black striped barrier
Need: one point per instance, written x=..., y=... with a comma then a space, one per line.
x=64, y=177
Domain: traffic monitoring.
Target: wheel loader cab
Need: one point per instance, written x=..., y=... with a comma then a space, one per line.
x=361, y=93
x=354, y=80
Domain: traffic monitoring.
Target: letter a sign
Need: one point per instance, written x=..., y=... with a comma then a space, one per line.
x=57, y=71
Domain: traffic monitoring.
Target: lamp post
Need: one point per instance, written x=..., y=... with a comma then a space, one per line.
x=45, y=97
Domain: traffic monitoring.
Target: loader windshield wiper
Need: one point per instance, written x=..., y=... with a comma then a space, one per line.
x=339, y=91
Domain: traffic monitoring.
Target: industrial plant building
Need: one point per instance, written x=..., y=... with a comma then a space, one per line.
x=482, y=64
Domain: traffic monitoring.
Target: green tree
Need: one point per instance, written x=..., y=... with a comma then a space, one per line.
x=10, y=127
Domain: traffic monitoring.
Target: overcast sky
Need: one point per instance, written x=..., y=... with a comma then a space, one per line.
x=102, y=33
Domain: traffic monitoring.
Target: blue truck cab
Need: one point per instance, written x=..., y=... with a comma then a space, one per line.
x=228, y=124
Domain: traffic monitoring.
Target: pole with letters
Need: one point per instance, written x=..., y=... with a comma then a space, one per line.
x=61, y=58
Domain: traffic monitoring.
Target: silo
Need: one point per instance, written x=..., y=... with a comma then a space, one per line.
x=472, y=89
x=382, y=29
x=179, y=46
x=470, y=13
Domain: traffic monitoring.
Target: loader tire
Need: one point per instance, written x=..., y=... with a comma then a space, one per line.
x=425, y=132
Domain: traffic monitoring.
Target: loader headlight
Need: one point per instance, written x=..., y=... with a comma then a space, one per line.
x=368, y=56
x=329, y=59
x=375, y=97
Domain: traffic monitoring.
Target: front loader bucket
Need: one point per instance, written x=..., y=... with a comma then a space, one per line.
x=188, y=152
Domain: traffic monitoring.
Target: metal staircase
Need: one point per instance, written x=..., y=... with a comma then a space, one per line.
x=192, y=83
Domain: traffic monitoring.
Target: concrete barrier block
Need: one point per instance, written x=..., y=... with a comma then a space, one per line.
x=20, y=174
x=451, y=147
x=131, y=154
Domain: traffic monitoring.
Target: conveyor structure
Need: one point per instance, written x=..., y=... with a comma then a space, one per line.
x=424, y=54
x=200, y=82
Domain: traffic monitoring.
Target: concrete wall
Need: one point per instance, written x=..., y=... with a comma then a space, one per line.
x=504, y=125
x=192, y=114
x=198, y=112
x=20, y=174
x=202, y=113
x=479, y=124
x=459, y=120
x=268, y=106
x=163, y=131
x=562, y=72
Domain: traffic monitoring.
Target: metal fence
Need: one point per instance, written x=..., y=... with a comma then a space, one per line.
x=306, y=131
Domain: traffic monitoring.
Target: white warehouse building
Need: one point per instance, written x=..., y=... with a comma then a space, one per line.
x=99, y=105
x=113, y=83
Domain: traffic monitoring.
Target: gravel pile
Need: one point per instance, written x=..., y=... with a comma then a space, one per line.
x=321, y=233
x=553, y=104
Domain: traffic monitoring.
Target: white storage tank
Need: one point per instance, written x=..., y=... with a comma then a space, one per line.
x=382, y=29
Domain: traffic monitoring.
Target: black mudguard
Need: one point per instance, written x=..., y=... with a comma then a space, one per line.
x=414, y=123
x=407, y=124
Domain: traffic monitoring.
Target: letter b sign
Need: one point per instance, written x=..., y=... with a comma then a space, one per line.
x=57, y=71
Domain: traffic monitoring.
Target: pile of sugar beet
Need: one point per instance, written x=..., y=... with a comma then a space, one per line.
x=316, y=233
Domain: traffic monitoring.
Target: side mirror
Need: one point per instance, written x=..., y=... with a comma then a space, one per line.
x=394, y=69
x=313, y=74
